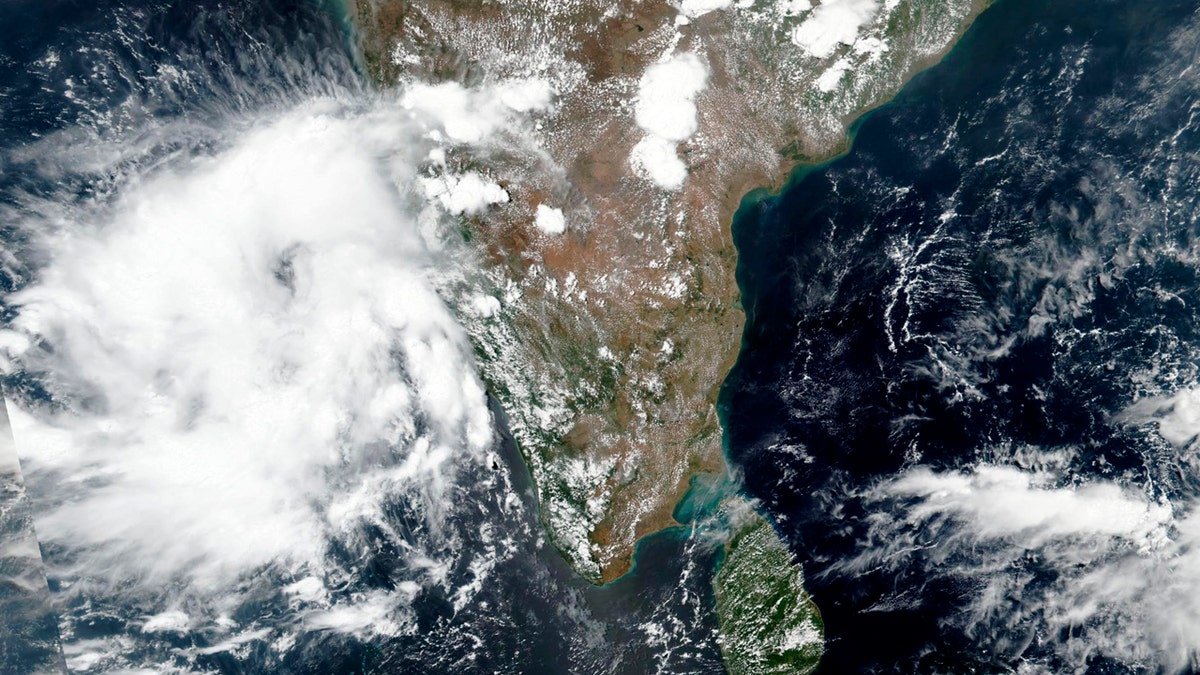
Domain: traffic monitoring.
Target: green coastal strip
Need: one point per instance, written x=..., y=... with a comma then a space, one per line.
x=768, y=622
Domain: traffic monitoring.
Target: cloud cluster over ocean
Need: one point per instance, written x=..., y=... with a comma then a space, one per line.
x=239, y=358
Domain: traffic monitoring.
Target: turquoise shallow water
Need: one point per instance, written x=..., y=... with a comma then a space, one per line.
x=703, y=496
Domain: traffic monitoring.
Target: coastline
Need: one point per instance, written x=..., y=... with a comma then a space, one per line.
x=664, y=456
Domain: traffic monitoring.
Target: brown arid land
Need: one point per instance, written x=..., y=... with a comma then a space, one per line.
x=611, y=338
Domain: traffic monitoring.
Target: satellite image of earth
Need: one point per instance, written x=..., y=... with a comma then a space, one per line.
x=369, y=337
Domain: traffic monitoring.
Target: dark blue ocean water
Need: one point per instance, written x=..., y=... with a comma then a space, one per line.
x=1002, y=263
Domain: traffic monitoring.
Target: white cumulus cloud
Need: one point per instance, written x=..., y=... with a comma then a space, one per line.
x=666, y=111
x=666, y=103
x=550, y=220
x=655, y=158
x=466, y=115
x=833, y=23
x=829, y=80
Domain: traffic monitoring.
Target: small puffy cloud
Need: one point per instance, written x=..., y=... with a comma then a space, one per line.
x=792, y=7
x=828, y=80
x=1177, y=416
x=870, y=45
x=550, y=220
x=485, y=306
x=167, y=622
x=655, y=158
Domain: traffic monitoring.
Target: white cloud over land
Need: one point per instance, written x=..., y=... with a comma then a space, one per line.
x=666, y=111
x=655, y=158
x=833, y=23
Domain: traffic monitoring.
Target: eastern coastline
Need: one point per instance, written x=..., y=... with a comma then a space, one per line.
x=751, y=190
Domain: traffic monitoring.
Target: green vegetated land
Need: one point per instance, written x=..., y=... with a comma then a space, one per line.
x=769, y=624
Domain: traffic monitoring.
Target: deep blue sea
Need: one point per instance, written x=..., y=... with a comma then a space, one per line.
x=971, y=347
